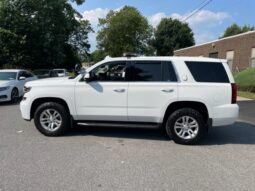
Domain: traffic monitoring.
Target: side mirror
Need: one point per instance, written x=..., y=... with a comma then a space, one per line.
x=87, y=77
x=22, y=78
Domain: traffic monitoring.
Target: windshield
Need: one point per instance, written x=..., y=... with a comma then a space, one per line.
x=41, y=72
x=6, y=76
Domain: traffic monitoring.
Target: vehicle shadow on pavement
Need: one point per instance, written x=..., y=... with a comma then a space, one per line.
x=132, y=133
x=9, y=103
x=239, y=133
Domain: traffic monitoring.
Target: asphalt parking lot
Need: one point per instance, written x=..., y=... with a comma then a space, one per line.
x=125, y=159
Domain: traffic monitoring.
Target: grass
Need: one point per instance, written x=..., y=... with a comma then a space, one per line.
x=249, y=95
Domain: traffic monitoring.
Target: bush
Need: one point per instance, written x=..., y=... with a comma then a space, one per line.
x=246, y=80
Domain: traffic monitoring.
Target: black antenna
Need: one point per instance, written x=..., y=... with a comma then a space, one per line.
x=202, y=5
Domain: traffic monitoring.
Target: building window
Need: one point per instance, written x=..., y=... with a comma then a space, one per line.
x=253, y=58
x=230, y=58
x=214, y=55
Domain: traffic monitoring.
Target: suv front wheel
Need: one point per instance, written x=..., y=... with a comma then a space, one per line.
x=52, y=119
x=186, y=126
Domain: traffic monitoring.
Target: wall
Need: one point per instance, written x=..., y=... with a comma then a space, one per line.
x=241, y=44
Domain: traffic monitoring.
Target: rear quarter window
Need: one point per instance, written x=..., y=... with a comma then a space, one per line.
x=213, y=72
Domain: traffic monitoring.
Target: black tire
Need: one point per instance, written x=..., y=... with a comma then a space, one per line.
x=177, y=115
x=65, y=117
x=14, y=95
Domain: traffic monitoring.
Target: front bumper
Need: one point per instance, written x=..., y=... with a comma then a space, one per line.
x=25, y=110
x=225, y=115
x=5, y=95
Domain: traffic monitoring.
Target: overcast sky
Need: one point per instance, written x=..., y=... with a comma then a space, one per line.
x=207, y=25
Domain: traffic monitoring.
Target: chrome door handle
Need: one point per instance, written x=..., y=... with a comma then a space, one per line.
x=167, y=90
x=119, y=90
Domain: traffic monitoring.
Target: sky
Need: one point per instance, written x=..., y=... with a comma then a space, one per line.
x=207, y=25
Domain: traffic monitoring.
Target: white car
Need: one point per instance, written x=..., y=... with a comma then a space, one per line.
x=183, y=95
x=12, y=84
x=61, y=72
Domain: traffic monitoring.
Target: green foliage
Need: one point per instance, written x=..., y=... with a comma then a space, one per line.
x=235, y=29
x=246, y=80
x=124, y=31
x=97, y=56
x=79, y=39
x=170, y=35
x=245, y=94
x=7, y=46
x=79, y=2
x=35, y=33
x=71, y=58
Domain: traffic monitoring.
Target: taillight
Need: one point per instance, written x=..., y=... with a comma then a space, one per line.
x=234, y=93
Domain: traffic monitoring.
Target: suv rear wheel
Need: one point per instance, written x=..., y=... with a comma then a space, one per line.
x=186, y=126
x=52, y=119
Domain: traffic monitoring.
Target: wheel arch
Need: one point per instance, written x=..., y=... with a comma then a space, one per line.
x=199, y=106
x=40, y=101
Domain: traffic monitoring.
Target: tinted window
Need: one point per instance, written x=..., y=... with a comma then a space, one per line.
x=28, y=74
x=41, y=72
x=147, y=71
x=115, y=71
x=53, y=73
x=22, y=74
x=168, y=72
x=208, y=72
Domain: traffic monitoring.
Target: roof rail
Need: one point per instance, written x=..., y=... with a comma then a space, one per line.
x=130, y=54
x=107, y=57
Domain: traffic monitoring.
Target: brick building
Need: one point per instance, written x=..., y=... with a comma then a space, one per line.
x=239, y=50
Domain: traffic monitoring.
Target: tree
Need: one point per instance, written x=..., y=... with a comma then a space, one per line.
x=43, y=30
x=235, y=29
x=170, y=35
x=98, y=55
x=122, y=31
x=7, y=46
x=79, y=39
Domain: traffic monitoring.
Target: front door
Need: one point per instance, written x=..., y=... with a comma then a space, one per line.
x=104, y=98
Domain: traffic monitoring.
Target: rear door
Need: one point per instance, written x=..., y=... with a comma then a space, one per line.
x=152, y=88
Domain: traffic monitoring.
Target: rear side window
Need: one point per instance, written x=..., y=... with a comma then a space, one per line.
x=169, y=72
x=208, y=72
x=147, y=71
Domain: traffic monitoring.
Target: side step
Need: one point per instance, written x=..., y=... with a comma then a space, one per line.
x=120, y=124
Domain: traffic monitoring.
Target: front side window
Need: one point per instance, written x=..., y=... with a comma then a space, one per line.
x=21, y=74
x=114, y=71
x=169, y=72
x=28, y=75
x=147, y=71
x=208, y=72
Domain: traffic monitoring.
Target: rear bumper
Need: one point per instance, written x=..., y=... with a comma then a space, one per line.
x=225, y=115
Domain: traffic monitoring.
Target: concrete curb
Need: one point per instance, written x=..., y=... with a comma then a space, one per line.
x=243, y=99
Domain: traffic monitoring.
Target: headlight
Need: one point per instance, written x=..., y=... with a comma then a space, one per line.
x=4, y=88
x=27, y=89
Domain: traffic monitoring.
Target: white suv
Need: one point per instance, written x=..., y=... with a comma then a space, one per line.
x=183, y=95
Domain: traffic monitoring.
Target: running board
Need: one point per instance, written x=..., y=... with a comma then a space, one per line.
x=120, y=124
